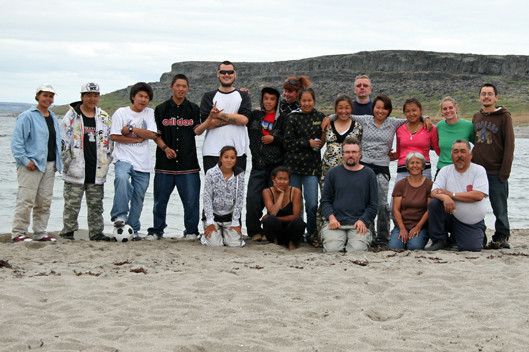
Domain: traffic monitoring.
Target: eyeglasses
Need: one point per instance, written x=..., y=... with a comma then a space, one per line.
x=229, y=72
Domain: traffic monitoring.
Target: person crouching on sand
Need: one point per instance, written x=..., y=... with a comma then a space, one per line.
x=282, y=224
x=223, y=198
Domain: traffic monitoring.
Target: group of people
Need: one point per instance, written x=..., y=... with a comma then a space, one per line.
x=286, y=135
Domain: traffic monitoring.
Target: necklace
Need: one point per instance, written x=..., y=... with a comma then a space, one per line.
x=414, y=132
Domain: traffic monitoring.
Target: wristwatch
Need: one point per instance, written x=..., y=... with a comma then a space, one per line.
x=454, y=196
x=130, y=129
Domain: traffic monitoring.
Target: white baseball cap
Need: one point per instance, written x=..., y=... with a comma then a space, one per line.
x=45, y=87
x=90, y=87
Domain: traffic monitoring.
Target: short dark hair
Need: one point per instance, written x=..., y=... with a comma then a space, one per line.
x=179, y=76
x=141, y=87
x=386, y=101
x=280, y=169
x=411, y=101
x=346, y=98
x=307, y=90
x=489, y=85
x=272, y=91
x=226, y=62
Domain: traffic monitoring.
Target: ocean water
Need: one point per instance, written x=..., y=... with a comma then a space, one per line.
x=518, y=184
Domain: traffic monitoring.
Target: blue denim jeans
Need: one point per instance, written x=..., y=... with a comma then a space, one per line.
x=188, y=186
x=415, y=243
x=498, y=194
x=129, y=188
x=309, y=185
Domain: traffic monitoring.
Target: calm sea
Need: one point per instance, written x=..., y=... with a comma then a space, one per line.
x=8, y=187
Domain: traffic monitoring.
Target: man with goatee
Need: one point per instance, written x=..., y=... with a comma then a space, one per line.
x=458, y=205
x=225, y=112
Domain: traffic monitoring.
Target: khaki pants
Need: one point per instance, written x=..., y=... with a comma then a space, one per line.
x=346, y=238
x=35, y=191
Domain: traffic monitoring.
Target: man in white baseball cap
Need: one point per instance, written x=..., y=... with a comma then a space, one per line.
x=87, y=156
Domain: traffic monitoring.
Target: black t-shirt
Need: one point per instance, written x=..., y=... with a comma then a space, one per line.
x=89, y=149
x=51, y=138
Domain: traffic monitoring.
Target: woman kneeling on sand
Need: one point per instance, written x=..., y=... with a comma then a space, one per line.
x=223, y=197
x=410, y=206
x=282, y=224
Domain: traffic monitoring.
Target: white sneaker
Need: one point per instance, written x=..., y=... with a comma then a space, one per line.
x=150, y=237
x=191, y=237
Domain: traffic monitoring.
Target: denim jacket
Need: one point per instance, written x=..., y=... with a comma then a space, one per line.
x=30, y=140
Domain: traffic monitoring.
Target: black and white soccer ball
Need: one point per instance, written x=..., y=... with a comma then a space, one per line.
x=124, y=233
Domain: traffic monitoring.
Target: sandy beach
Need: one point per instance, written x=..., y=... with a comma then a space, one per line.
x=176, y=295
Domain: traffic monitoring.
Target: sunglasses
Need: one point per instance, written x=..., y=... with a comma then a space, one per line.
x=292, y=82
x=229, y=72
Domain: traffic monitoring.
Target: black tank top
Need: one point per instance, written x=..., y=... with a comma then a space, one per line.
x=287, y=209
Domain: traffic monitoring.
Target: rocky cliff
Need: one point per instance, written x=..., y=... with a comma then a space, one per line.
x=400, y=74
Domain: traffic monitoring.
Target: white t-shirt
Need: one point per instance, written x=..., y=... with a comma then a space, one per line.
x=234, y=135
x=474, y=179
x=137, y=154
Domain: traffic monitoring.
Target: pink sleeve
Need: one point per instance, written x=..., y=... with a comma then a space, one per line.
x=434, y=138
x=399, y=134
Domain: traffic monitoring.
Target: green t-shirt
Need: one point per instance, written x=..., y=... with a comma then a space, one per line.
x=448, y=134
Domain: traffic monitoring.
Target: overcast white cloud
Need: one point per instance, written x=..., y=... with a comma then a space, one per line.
x=117, y=43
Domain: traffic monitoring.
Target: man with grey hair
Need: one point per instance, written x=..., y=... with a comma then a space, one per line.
x=349, y=202
x=458, y=202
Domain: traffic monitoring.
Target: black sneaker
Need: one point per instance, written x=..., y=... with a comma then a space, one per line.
x=119, y=222
x=100, y=237
x=67, y=236
x=437, y=245
x=504, y=243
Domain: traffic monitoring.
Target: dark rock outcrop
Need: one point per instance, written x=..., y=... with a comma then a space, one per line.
x=399, y=74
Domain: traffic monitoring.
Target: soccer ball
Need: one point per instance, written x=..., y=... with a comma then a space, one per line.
x=123, y=234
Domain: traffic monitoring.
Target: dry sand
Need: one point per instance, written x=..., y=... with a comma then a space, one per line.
x=176, y=295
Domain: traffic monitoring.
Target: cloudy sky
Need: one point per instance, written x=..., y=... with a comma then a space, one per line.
x=117, y=43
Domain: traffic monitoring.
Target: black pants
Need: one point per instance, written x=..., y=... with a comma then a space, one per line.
x=467, y=237
x=284, y=231
x=259, y=180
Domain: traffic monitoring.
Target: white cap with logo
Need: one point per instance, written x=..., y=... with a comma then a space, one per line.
x=90, y=87
x=45, y=87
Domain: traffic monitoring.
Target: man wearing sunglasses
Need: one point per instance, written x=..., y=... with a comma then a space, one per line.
x=362, y=102
x=225, y=112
